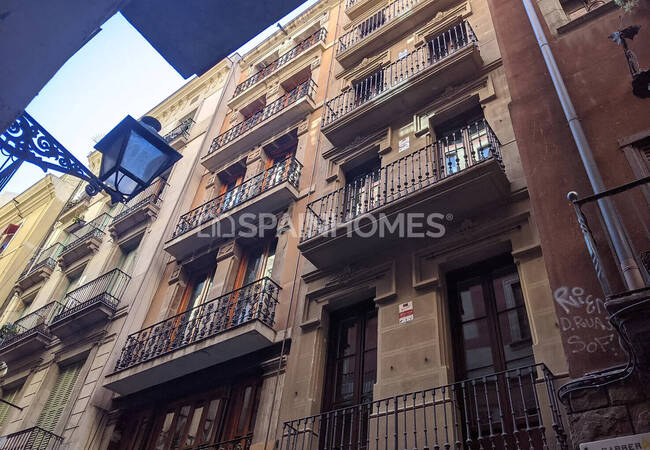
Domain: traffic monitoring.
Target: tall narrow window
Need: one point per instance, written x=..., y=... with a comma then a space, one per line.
x=362, y=191
x=7, y=236
x=8, y=395
x=59, y=397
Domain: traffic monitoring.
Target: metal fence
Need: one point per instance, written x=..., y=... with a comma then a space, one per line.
x=31, y=323
x=94, y=228
x=255, y=301
x=43, y=258
x=451, y=154
x=514, y=409
x=183, y=129
x=151, y=195
x=31, y=439
x=284, y=171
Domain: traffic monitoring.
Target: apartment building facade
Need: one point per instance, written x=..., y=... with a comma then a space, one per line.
x=91, y=281
x=25, y=221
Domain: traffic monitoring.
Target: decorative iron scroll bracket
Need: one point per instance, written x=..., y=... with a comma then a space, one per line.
x=27, y=140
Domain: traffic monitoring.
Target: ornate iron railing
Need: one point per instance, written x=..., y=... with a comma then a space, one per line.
x=453, y=153
x=306, y=89
x=35, y=438
x=437, y=49
x=106, y=289
x=319, y=35
x=503, y=410
x=33, y=322
x=183, y=129
x=381, y=18
x=43, y=258
x=284, y=171
x=243, y=443
x=94, y=228
x=151, y=195
x=255, y=301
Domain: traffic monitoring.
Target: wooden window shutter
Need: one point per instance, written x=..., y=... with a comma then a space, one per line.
x=9, y=395
x=59, y=396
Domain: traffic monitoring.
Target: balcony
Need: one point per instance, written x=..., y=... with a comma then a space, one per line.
x=394, y=20
x=84, y=241
x=178, y=136
x=514, y=409
x=404, y=85
x=459, y=174
x=39, y=267
x=138, y=211
x=269, y=120
x=89, y=304
x=292, y=55
x=28, y=334
x=356, y=8
x=227, y=327
x=31, y=439
x=266, y=192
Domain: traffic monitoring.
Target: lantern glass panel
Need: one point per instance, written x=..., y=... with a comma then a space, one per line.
x=142, y=159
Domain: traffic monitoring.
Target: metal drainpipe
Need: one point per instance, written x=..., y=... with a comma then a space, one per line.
x=615, y=228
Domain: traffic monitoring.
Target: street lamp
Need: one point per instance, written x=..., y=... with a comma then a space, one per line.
x=134, y=154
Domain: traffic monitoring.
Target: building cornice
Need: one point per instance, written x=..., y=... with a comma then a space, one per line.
x=25, y=203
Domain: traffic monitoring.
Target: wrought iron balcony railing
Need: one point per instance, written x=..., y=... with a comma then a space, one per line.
x=318, y=36
x=284, y=171
x=398, y=72
x=183, y=129
x=31, y=439
x=243, y=443
x=106, y=289
x=306, y=89
x=94, y=228
x=453, y=153
x=43, y=258
x=378, y=20
x=36, y=321
x=151, y=195
x=502, y=410
x=255, y=301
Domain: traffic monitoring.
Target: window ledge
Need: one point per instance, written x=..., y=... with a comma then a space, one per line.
x=588, y=17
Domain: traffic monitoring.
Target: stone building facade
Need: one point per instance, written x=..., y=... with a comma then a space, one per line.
x=367, y=244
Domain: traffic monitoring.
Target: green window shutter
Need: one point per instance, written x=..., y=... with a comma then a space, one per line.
x=8, y=395
x=59, y=396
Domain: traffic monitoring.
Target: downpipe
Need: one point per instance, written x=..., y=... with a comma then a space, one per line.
x=628, y=265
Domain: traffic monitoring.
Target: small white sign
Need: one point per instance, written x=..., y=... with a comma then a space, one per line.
x=634, y=442
x=403, y=54
x=405, y=312
x=404, y=144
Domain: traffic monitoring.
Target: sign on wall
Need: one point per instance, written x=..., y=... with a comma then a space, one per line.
x=635, y=442
x=405, y=312
x=404, y=144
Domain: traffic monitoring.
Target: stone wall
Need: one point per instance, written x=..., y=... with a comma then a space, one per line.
x=619, y=409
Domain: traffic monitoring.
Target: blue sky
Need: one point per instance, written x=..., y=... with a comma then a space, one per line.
x=116, y=73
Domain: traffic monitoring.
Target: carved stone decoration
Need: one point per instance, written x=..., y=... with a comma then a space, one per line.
x=353, y=282
x=175, y=275
x=226, y=250
x=303, y=127
x=284, y=224
x=314, y=64
x=212, y=178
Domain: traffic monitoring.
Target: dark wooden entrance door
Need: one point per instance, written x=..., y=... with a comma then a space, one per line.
x=351, y=375
x=493, y=347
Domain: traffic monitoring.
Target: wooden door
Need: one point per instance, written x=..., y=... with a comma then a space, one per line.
x=492, y=335
x=351, y=375
x=242, y=410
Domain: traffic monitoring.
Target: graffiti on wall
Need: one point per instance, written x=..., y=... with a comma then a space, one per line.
x=584, y=322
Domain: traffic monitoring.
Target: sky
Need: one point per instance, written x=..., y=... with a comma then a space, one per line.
x=116, y=73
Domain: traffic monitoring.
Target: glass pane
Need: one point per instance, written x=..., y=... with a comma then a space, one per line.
x=472, y=303
x=369, y=374
x=163, y=435
x=507, y=292
x=476, y=343
x=210, y=420
x=194, y=427
x=371, y=333
x=141, y=158
x=515, y=333
x=247, y=405
x=180, y=426
x=345, y=375
x=347, y=339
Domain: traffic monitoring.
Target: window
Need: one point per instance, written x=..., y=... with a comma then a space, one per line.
x=7, y=235
x=638, y=155
x=362, y=189
x=225, y=415
x=127, y=259
x=59, y=397
x=578, y=8
x=369, y=87
x=463, y=141
x=8, y=395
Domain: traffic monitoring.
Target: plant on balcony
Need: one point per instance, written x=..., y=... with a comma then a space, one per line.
x=627, y=5
x=78, y=219
x=7, y=331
